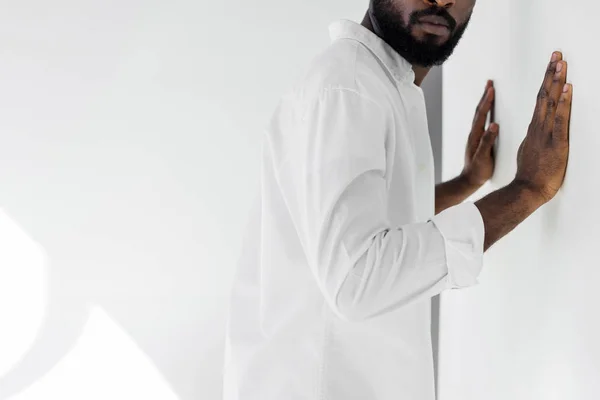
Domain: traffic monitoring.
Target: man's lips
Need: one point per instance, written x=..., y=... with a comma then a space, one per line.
x=434, y=20
x=434, y=25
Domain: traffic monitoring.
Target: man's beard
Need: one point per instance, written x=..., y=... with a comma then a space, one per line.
x=388, y=22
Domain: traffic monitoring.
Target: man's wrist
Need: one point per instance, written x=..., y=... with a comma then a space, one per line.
x=527, y=193
x=468, y=182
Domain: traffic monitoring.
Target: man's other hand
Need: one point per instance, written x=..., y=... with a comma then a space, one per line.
x=479, y=155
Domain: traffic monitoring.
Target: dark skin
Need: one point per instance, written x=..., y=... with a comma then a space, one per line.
x=542, y=157
x=459, y=10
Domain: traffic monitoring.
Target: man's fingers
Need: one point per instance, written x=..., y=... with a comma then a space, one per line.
x=563, y=114
x=481, y=113
x=488, y=85
x=558, y=82
x=545, y=90
x=483, y=109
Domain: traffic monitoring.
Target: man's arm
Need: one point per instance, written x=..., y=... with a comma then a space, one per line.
x=451, y=193
x=506, y=208
x=541, y=161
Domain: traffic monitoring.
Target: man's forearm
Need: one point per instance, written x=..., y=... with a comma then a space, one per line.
x=506, y=208
x=451, y=193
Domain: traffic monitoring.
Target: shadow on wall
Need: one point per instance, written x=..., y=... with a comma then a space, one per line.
x=116, y=268
x=39, y=326
x=75, y=352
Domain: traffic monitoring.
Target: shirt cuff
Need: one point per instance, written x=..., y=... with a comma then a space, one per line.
x=463, y=231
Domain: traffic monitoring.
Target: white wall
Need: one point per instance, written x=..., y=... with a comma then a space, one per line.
x=529, y=330
x=128, y=157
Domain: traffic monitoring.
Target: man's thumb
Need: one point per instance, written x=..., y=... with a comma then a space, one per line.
x=489, y=138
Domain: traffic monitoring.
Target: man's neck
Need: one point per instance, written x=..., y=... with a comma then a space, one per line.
x=420, y=72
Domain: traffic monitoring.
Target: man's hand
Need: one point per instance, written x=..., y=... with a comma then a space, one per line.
x=542, y=159
x=479, y=156
x=543, y=155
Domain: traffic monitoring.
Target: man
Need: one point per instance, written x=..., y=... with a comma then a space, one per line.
x=351, y=238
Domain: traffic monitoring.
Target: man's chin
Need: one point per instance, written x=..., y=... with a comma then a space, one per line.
x=431, y=40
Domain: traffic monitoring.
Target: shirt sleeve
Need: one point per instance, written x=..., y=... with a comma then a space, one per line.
x=333, y=180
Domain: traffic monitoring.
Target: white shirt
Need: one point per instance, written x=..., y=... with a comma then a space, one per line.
x=331, y=299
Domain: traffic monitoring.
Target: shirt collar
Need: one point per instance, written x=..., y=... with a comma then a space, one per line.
x=398, y=67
